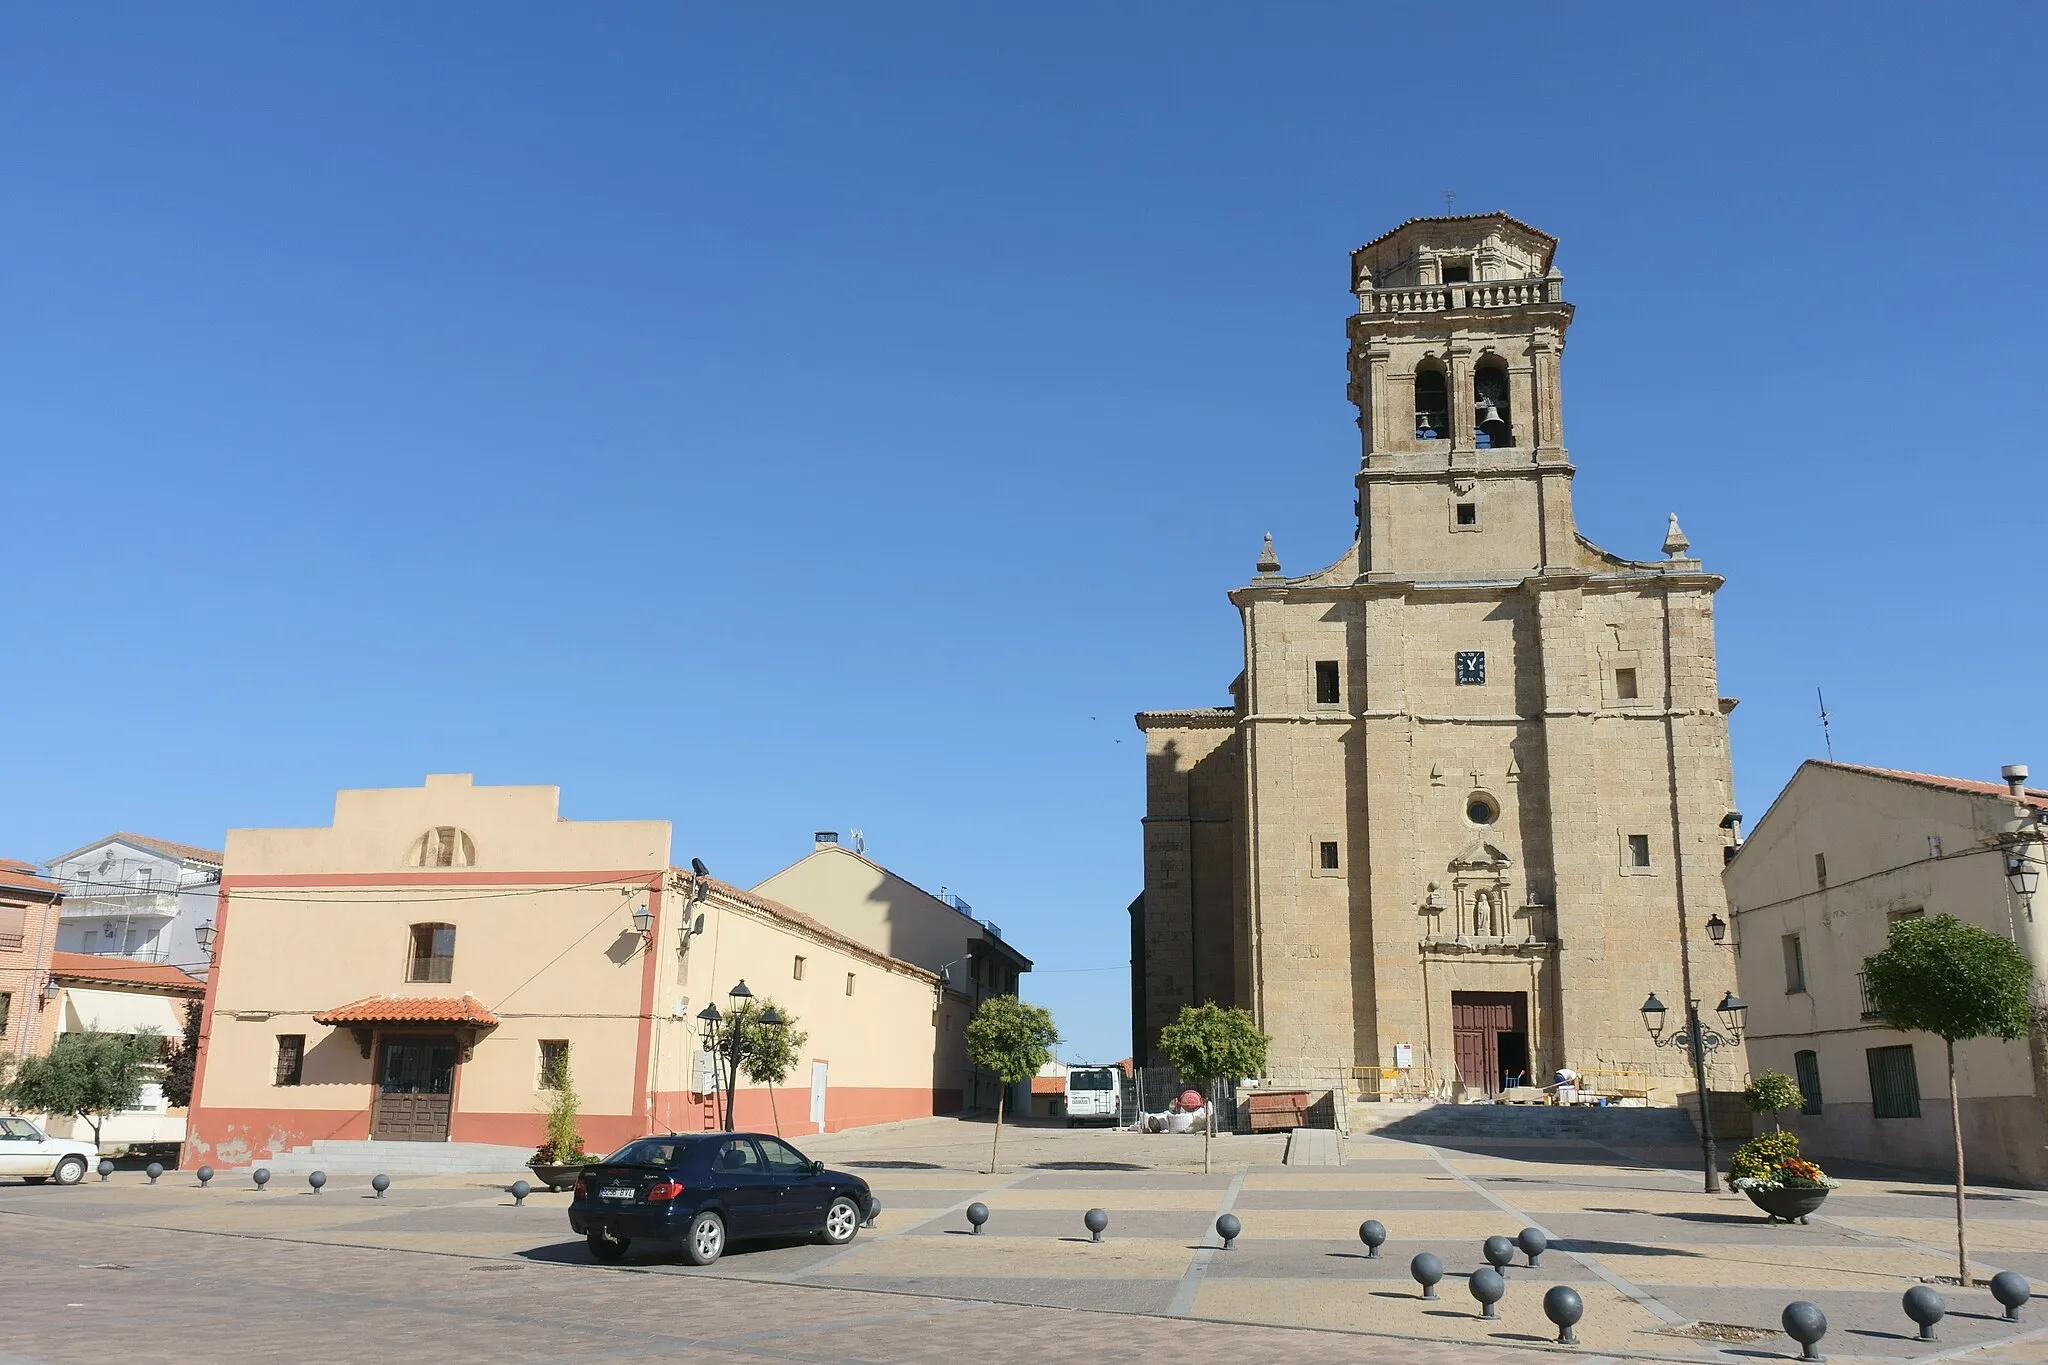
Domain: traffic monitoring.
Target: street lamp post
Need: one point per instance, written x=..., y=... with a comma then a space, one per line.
x=1698, y=1040
x=723, y=1041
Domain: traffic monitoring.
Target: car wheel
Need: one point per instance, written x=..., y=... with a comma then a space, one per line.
x=705, y=1241
x=606, y=1247
x=71, y=1170
x=842, y=1221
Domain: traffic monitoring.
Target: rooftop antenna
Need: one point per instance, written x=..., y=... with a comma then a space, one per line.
x=1450, y=197
x=860, y=841
x=1825, y=737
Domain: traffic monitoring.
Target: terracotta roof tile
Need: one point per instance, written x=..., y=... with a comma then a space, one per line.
x=121, y=971
x=20, y=876
x=189, y=852
x=2034, y=795
x=1048, y=1085
x=407, y=1009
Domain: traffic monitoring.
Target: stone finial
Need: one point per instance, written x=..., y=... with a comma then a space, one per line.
x=1269, y=562
x=1675, y=543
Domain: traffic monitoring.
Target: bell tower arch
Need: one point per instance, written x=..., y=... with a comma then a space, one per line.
x=1454, y=368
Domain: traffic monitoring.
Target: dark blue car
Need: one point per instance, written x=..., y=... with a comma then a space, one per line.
x=703, y=1190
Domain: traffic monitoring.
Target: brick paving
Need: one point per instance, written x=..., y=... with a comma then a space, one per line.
x=448, y=1267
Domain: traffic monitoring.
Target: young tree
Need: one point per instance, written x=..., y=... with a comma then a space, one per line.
x=1209, y=1043
x=1013, y=1040
x=1772, y=1093
x=87, y=1075
x=768, y=1052
x=564, y=1143
x=178, y=1072
x=1957, y=982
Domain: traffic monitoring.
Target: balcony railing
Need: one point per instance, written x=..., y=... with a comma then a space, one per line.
x=1441, y=298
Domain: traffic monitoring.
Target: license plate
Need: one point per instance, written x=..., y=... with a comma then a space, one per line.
x=616, y=1192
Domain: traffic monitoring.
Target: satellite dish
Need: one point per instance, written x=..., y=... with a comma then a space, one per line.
x=860, y=841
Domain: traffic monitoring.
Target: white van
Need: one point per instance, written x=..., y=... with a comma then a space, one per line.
x=1095, y=1094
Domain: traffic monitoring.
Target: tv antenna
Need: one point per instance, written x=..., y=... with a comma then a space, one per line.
x=1450, y=197
x=860, y=841
x=1824, y=736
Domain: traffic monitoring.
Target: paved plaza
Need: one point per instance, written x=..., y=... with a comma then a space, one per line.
x=449, y=1267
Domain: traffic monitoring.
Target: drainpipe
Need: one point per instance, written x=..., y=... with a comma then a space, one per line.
x=2022, y=838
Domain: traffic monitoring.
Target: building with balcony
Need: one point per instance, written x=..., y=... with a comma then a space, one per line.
x=1844, y=853
x=118, y=995
x=129, y=895
x=1466, y=803
x=29, y=908
x=419, y=970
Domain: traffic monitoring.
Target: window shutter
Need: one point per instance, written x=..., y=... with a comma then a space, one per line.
x=13, y=919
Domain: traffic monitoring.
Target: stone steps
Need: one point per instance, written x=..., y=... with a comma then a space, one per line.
x=1630, y=1127
x=402, y=1158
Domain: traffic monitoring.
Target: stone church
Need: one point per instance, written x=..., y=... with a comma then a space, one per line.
x=1470, y=799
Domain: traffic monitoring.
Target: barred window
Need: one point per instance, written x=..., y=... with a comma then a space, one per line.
x=1894, y=1083
x=6, y=1008
x=291, y=1057
x=554, y=1062
x=1807, y=1065
x=1870, y=1009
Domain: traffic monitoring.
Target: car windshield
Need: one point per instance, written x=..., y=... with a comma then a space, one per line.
x=665, y=1151
x=1090, y=1080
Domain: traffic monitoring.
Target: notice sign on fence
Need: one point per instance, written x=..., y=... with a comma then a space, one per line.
x=1404, y=1055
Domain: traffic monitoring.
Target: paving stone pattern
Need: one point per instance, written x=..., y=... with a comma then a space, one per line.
x=446, y=1267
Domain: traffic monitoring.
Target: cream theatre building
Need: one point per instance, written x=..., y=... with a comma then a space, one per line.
x=1472, y=793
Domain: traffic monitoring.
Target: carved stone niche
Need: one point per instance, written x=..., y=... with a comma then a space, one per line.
x=1479, y=892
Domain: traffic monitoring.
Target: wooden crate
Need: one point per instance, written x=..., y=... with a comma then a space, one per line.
x=1275, y=1111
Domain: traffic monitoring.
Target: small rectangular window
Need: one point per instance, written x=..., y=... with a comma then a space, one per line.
x=796, y=969
x=1820, y=869
x=1795, y=966
x=1328, y=692
x=13, y=926
x=291, y=1057
x=1625, y=684
x=433, y=953
x=1457, y=274
x=1892, y=917
x=1468, y=514
x=1638, y=850
x=1807, y=1065
x=6, y=1010
x=554, y=1062
x=849, y=983
x=1894, y=1082
x=1326, y=855
x=1870, y=1009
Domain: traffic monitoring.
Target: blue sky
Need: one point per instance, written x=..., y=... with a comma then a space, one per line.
x=808, y=417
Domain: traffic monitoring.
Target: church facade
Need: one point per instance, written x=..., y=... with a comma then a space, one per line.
x=1469, y=803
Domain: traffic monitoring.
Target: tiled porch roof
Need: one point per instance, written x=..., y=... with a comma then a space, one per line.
x=409, y=1009
x=122, y=971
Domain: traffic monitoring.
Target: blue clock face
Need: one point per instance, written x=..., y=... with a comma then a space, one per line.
x=1471, y=667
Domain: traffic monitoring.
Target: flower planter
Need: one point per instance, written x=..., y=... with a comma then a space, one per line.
x=1790, y=1204
x=555, y=1177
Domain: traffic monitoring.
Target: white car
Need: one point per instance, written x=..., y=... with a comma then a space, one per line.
x=26, y=1152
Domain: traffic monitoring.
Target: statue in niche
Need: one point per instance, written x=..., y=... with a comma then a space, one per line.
x=1482, y=914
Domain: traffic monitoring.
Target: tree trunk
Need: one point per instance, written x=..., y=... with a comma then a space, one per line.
x=1208, y=1131
x=996, y=1147
x=1955, y=1118
x=93, y=1124
x=773, y=1110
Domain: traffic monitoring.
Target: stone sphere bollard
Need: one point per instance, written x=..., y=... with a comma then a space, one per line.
x=520, y=1189
x=1533, y=1244
x=205, y=1174
x=380, y=1182
x=1488, y=1286
x=1806, y=1325
x=1563, y=1306
x=977, y=1214
x=1373, y=1233
x=1427, y=1270
x=1095, y=1220
x=874, y=1211
x=316, y=1180
x=261, y=1175
x=106, y=1169
x=153, y=1170
x=2010, y=1288
x=1925, y=1307
x=1499, y=1253
x=1227, y=1227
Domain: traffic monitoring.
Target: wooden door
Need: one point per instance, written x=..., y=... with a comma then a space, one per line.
x=1488, y=1027
x=415, y=1089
